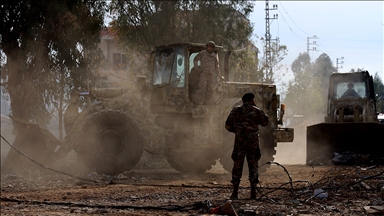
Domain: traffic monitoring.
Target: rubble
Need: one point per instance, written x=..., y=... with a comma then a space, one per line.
x=351, y=190
x=353, y=158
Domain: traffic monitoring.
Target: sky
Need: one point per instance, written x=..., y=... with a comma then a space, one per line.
x=349, y=32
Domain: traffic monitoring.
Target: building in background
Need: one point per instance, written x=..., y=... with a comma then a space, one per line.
x=116, y=68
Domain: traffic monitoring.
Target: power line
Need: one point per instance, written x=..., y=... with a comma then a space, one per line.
x=308, y=38
x=294, y=28
x=346, y=39
x=285, y=20
x=291, y=28
x=293, y=20
x=333, y=56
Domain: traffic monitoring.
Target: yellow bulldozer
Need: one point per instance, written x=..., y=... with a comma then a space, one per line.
x=350, y=126
x=112, y=133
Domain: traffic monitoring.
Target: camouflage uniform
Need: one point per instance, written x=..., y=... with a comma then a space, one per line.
x=244, y=121
x=209, y=69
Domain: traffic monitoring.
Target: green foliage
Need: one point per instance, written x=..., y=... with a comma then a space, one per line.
x=277, y=55
x=307, y=92
x=243, y=66
x=301, y=64
x=50, y=48
x=144, y=24
x=322, y=70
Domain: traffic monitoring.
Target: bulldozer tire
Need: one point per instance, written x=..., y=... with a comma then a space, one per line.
x=110, y=142
x=191, y=161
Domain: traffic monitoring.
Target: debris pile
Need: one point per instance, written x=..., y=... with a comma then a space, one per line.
x=296, y=190
x=353, y=158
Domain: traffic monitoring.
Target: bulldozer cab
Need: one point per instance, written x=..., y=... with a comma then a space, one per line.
x=348, y=95
x=175, y=75
x=342, y=84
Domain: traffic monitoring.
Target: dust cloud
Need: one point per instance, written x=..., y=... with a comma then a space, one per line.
x=20, y=164
x=6, y=132
x=296, y=152
x=293, y=152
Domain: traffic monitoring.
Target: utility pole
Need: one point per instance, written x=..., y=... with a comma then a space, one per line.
x=339, y=62
x=311, y=43
x=311, y=46
x=268, y=49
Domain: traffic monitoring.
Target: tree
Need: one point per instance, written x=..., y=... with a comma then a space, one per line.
x=48, y=48
x=322, y=70
x=243, y=65
x=144, y=24
x=302, y=64
x=295, y=96
x=305, y=94
x=277, y=55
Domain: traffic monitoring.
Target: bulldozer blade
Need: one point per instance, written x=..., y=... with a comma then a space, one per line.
x=324, y=139
x=37, y=143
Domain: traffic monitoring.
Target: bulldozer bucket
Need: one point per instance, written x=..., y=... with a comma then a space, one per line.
x=37, y=143
x=324, y=139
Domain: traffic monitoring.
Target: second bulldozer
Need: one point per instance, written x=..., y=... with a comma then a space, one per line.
x=351, y=123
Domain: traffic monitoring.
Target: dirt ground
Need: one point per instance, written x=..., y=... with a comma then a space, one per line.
x=160, y=190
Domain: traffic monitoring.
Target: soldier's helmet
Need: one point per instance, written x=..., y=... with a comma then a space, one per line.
x=248, y=97
x=211, y=43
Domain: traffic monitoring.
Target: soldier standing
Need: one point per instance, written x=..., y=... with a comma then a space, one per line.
x=244, y=121
x=208, y=70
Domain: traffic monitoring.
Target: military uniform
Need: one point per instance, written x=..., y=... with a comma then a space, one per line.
x=208, y=70
x=244, y=121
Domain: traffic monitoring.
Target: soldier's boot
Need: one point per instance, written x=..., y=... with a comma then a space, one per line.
x=253, y=191
x=235, y=191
